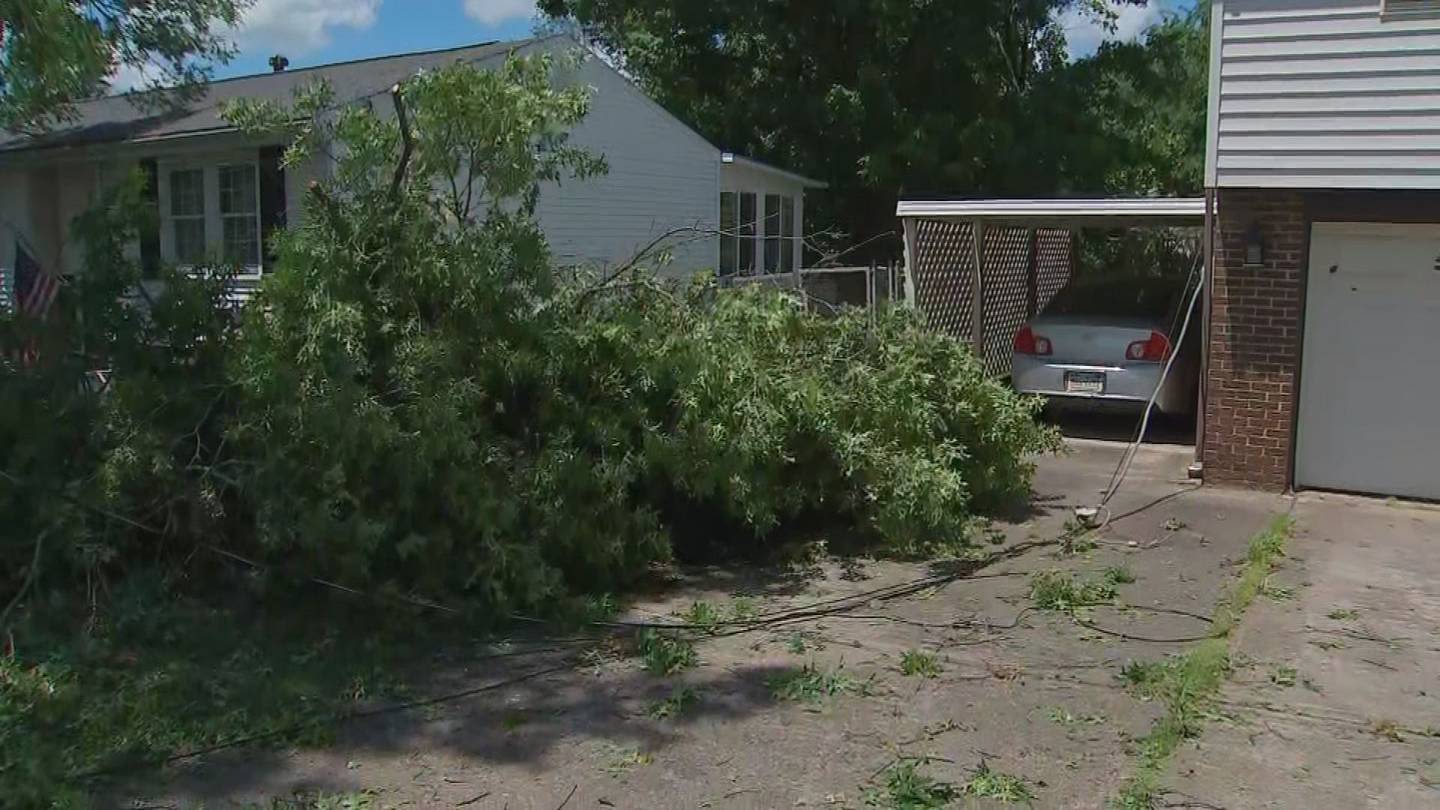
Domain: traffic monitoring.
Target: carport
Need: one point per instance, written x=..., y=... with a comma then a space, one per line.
x=978, y=269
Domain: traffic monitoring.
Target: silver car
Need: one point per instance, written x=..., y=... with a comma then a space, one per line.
x=1102, y=361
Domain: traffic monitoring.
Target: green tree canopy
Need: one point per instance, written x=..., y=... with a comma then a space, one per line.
x=1145, y=110
x=888, y=97
x=54, y=53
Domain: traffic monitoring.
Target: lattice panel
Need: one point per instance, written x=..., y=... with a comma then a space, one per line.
x=1053, y=255
x=1006, y=291
x=944, y=264
x=944, y=267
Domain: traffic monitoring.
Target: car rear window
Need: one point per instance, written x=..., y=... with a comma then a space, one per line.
x=1128, y=298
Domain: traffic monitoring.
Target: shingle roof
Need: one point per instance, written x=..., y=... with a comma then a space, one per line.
x=115, y=119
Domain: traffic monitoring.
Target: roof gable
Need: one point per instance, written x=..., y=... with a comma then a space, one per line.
x=118, y=119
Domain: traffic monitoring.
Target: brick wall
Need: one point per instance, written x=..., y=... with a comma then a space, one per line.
x=1254, y=339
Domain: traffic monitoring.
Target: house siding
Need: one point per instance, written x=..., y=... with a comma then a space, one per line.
x=1323, y=94
x=662, y=176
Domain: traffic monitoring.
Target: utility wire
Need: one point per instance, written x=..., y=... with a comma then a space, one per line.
x=1123, y=468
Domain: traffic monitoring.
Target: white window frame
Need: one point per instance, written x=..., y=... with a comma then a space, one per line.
x=729, y=234
x=214, y=221
x=754, y=246
x=1409, y=9
x=789, y=245
x=749, y=245
x=771, y=230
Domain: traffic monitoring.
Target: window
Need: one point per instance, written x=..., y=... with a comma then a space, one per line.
x=772, y=233
x=748, y=235
x=790, y=246
x=240, y=214
x=1410, y=7
x=187, y=215
x=729, y=234
x=755, y=238
x=211, y=213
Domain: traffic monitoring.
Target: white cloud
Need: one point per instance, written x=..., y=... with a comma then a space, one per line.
x=130, y=77
x=494, y=12
x=297, y=26
x=1084, y=33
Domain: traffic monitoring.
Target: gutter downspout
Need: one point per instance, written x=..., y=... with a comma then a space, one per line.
x=908, y=280
x=1197, y=469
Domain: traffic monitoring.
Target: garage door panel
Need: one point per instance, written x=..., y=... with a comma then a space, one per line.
x=1370, y=381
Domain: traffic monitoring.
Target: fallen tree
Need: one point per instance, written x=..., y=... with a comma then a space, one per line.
x=418, y=403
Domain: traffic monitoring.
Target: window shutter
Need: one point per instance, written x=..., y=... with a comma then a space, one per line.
x=272, y=200
x=150, y=234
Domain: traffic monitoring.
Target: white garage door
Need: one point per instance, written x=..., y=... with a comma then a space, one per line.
x=1369, y=416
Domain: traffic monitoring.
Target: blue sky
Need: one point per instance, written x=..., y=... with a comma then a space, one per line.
x=1084, y=35
x=311, y=32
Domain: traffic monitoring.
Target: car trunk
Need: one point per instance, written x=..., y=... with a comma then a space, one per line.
x=1091, y=340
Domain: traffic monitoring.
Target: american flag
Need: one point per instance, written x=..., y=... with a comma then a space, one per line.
x=34, y=290
x=31, y=292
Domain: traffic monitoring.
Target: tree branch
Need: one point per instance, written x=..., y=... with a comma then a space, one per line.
x=407, y=143
x=30, y=576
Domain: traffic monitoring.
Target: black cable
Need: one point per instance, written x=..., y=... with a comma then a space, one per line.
x=1086, y=623
x=379, y=711
x=813, y=610
x=810, y=611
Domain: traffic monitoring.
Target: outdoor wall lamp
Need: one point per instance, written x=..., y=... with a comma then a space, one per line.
x=1254, y=246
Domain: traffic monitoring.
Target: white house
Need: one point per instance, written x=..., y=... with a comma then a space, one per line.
x=219, y=193
x=1323, y=175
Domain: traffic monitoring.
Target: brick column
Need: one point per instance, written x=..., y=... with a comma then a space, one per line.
x=1254, y=339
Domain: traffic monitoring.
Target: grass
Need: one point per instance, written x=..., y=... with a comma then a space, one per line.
x=364, y=800
x=582, y=611
x=1188, y=683
x=665, y=654
x=919, y=664
x=151, y=674
x=703, y=615
x=708, y=618
x=681, y=700
x=1344, y=614
x=744, y=609
x=1275, y=591
x=623, y=760
x=813, y=685
x=1076, y=538
x=1144, y=676
x=986, y=783
x=1118, y=575
x=906, y=788
x=1067, y=593
x=1064, y=717
x=1264, y=549
x=1284, y=675
x=1387, y=730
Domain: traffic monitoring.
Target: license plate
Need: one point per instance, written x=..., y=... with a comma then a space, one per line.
x=1084, y=382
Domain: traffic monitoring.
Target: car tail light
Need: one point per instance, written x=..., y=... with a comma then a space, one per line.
x=1027, y=342
x=1156, y=349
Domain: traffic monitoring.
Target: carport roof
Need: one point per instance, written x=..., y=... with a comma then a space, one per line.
x=1062, y=212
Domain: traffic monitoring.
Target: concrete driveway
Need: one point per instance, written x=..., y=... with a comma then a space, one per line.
x=1020, y=698
x=1335, y=697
